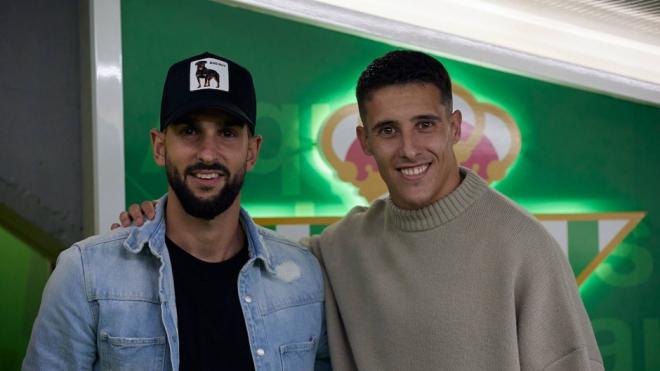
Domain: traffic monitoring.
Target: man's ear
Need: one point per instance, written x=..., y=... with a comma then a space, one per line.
x=362, y=134
x=158, y=146
x=254, y=145
x=455, y=120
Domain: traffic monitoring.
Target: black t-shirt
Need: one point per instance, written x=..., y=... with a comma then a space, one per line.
x=212, y=333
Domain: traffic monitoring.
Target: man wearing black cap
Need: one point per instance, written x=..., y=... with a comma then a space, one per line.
x=201, y=286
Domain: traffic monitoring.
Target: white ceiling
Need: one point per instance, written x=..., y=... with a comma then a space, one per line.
x=610, y=46
x=640, y=18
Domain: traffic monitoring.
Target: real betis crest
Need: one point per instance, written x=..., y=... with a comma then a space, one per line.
x=490, y=143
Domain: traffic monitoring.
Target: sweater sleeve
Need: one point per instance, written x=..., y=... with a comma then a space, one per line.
x=554, y=331
x=338, y=348
x=63, y=335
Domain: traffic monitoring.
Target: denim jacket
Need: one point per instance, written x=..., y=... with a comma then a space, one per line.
x=109, y=304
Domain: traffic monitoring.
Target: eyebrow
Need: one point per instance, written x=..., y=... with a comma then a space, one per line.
x=383, y=123
x=236, y=123
x=229, y=122
x=427, y=117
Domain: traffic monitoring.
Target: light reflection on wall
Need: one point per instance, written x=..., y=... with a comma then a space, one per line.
x=318, y=112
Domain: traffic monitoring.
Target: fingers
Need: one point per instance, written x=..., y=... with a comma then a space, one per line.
x=135, y=213
x=125, y=219
x=148, y=207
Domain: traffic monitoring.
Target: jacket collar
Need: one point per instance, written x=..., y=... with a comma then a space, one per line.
x=152, y=235
x=256, y=245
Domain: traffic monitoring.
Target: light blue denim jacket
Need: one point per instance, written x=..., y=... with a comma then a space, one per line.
x=109, y=304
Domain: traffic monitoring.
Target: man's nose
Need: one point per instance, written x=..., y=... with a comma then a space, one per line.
x=409, y=147
x=208, y=149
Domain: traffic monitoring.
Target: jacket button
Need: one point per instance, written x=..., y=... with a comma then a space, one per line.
x=248, y=299
x=260, y=352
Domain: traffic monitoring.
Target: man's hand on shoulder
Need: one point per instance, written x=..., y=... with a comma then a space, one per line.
x=136, y=214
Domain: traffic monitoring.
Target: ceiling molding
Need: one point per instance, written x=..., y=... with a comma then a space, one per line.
x=468, y=49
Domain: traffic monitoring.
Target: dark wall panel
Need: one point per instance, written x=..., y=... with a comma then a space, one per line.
x=40, y=171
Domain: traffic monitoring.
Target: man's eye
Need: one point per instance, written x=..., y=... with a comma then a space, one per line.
x=387, y=131
x=425, y=124
x=229, y=133
x=188, y=131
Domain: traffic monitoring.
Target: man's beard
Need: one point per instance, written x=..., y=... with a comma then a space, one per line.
x=204, y=208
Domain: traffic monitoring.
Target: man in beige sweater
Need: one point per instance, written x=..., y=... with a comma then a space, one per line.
x=445, y=273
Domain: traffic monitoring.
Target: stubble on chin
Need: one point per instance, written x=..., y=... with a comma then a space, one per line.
x=204, y=208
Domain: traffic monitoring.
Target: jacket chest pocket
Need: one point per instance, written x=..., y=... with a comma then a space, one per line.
x=126, y=353
x=298, y=356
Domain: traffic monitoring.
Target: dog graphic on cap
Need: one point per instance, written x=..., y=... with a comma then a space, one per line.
x=207, y=74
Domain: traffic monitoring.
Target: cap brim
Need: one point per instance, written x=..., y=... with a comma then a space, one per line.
x=228, y=107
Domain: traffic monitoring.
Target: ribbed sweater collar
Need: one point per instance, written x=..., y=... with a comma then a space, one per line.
x=441, y=211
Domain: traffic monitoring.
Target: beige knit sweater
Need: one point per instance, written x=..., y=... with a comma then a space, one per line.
x=471, y=282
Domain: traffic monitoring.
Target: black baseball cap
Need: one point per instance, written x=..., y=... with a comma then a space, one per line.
x=208, y=81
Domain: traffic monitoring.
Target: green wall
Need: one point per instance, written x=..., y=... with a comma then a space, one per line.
x=23, y=274
x=581, y=151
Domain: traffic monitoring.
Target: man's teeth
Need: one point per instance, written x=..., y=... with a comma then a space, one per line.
x=207, y=175
x=412, y=171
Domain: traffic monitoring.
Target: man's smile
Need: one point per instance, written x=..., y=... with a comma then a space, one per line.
x=414, y=172
x=206, y=175
x=206, y=178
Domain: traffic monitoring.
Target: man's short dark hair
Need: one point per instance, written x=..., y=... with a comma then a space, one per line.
x=403, y=67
